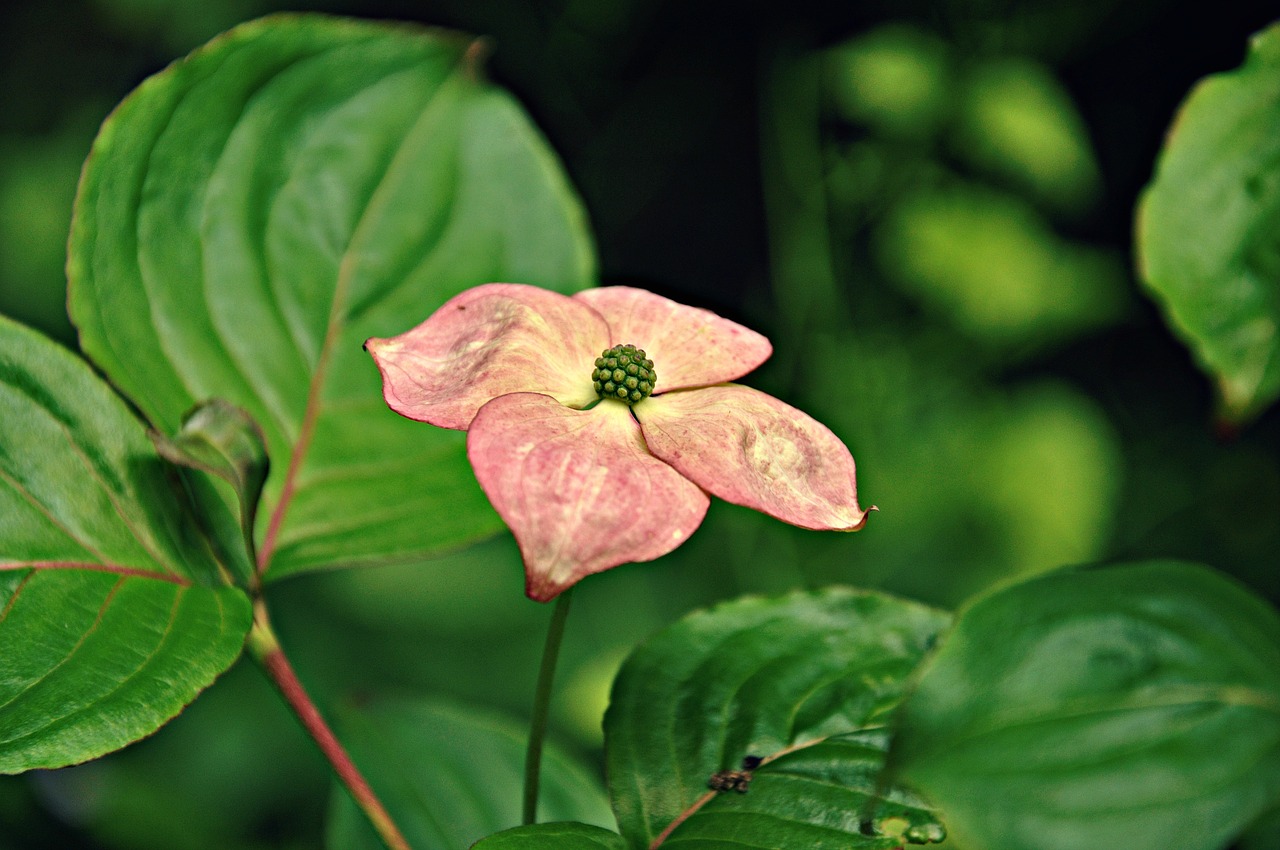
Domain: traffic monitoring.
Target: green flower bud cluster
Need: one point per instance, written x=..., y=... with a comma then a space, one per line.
x=625, y=373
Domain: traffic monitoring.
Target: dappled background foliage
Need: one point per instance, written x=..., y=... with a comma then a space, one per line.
x=927, y=207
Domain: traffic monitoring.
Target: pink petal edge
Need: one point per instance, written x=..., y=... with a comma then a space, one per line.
x=748, y=448
x=578, y=489
x=491, y=340
x=689, y=346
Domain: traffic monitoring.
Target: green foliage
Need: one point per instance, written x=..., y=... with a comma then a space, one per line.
x=977, y=483
x=254, y=212
x=113, y=613
x=1206, y=228
x=1140, y=703
x=450, y=776
x=991, y=266
x=954, y=201
x=554, y=836
x=896, y=78
x=1019, y=122
x=1264, y=834
x=805, y=682
x=939, y=298
x=236, y=749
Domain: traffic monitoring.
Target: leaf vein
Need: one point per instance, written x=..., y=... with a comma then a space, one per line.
x=97, y=621
x=48, y=514
x=13, y=599
x=147, y=545
x=146, y=662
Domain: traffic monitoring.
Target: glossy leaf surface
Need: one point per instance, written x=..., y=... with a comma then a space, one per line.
x=113, y=611
x=554, y=836
x=1207, y=222
x=251, y=214
x=805, y=682
x=1136, y=707
x=450, y=776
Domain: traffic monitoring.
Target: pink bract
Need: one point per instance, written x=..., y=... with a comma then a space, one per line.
x=587, y=484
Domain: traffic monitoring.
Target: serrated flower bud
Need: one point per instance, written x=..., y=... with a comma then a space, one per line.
x=624, y=372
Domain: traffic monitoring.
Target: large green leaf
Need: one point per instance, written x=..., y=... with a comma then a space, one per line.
x=114, y=613
x=553, y=836
x=1134, y=707
x=251, y=214
x=1207, y=228
x=450, y=776
x=804, y=682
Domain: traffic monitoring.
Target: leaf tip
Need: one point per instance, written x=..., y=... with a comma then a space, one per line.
x=475, y=57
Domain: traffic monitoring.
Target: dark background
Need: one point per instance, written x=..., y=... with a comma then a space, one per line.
x=926, y=206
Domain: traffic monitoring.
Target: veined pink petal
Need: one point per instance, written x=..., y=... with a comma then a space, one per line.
x=578, y=488
x=489, y=341
x=689, y=347
x=751, y=449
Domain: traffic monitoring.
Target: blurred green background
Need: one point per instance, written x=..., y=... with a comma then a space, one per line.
x=926, y=206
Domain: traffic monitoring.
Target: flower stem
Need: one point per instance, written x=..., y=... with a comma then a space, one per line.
x=265, y=648
x=542, y=706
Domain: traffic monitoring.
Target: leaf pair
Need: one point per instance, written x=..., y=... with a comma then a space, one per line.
x=246, y=219
x=1135, y=705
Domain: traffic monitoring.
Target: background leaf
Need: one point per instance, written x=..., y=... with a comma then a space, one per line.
x=251, y=214
x=804, y=680
x=1137, y=706
x=554, y=836
x=113, y=610
x=451, y=775
x=1206, y=228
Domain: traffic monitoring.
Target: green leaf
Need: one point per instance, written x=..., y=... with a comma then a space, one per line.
x=1264, y=833
x=1134, y=707
x=1206, y=228
x=553, y=836
x=114, y=613
x=451, y=775
x=1019, y=122
x=250, y=215
x=803, y=681
x=991, y=265
x=221, y=439
x=898, y=79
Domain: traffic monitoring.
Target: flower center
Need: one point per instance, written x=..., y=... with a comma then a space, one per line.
x=625, y=373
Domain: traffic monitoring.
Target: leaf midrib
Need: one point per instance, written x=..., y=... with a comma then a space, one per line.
x=333, y=329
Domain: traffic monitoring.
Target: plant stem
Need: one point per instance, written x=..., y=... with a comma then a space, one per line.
x=265, y=648
x=542, y=705
x=681, y=818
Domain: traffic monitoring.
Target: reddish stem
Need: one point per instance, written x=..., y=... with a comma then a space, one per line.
x=681, y=818
x=266, y=649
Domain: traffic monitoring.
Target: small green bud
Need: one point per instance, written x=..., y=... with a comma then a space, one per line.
x=624, y=372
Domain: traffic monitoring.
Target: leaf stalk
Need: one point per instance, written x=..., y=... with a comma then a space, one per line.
x=265, y=648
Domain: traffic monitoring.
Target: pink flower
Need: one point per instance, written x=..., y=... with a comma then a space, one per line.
x=587, y=483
